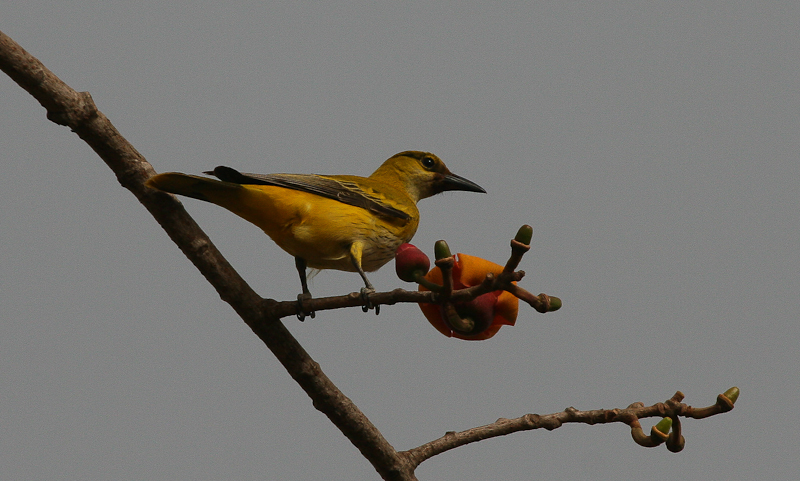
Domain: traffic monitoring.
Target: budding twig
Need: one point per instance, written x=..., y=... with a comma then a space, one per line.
x=671, y=410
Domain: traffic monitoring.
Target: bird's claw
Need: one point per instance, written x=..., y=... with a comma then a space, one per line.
x=301, y=311
x=365, y=292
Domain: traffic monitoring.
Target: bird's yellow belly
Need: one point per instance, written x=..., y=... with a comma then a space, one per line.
x=321, y=230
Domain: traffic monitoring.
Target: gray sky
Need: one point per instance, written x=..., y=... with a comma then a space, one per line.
x=652, y=145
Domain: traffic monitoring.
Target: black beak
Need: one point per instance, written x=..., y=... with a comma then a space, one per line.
x=456, y=182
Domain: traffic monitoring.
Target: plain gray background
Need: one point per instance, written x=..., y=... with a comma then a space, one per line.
x=652, y=145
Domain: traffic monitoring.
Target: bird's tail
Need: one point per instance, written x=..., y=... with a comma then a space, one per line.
x=253, y=203
x=209, y=190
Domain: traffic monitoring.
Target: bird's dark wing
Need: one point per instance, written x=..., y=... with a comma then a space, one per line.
x=347, y=192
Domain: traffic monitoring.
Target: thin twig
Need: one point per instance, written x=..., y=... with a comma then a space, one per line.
x=631, y=415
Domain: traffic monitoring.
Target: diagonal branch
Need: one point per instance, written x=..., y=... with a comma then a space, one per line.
x=77, y=111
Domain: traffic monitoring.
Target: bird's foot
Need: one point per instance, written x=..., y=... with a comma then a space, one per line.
x=365, y=293
x=301, y=310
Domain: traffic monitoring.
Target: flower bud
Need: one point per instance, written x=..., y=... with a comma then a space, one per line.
x=661, y=430
x=441, y=250
x=555, y=304
x=524, y=234
x=411, y=263
x=732, y=394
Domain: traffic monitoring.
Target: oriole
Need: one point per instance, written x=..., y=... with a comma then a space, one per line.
x=342, y=222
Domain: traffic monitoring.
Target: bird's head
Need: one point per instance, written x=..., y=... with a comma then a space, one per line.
x=422, y=175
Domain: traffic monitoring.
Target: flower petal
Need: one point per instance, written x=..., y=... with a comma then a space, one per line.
x=470, y=271
x=474, y=269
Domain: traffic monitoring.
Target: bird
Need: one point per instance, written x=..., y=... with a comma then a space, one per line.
x=342, y=222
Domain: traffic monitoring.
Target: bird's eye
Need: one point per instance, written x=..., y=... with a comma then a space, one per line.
x=428, y=162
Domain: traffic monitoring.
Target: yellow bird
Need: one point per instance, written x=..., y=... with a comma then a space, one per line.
x=342, y=222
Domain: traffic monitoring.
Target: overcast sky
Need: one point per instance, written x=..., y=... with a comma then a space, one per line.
x=652, y=145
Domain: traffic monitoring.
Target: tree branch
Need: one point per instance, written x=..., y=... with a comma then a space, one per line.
x=77, y=111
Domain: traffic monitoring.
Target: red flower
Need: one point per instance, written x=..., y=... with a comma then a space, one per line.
x=478, y=319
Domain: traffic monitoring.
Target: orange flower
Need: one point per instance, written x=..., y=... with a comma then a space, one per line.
x=478, y=319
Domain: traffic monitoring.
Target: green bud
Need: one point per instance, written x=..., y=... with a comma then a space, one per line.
x=661, y=430
x=732, y=394
x=524, y=234
x=441, y=250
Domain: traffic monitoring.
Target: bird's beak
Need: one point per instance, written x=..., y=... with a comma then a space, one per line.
x=456, y=182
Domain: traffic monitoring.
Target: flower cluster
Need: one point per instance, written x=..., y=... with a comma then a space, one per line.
x=492, y=300
x=477, y=319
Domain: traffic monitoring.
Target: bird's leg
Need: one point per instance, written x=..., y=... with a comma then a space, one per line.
x=355, y=256
x=366, y=291
x=300, y=263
